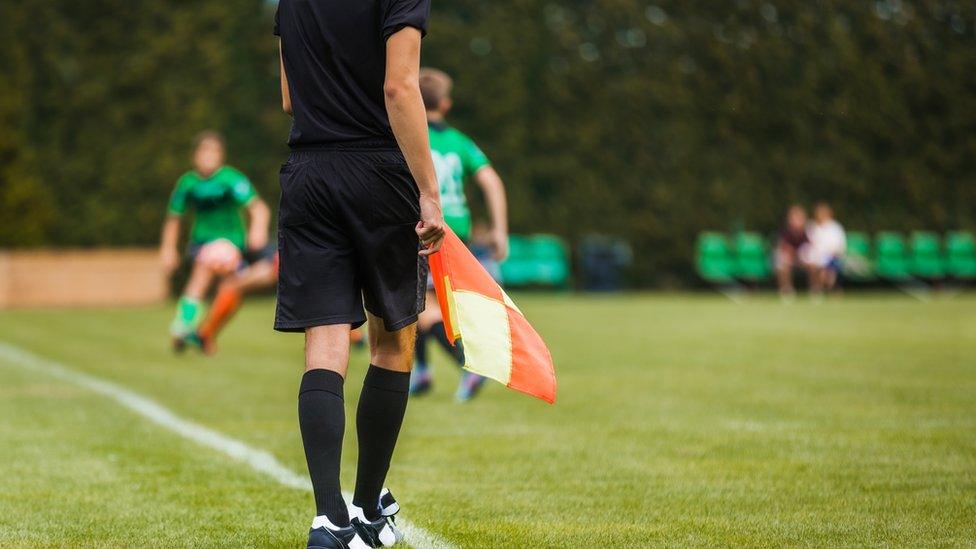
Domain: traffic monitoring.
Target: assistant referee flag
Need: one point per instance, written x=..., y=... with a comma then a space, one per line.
x=498, y=341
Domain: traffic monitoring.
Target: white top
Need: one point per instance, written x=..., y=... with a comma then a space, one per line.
x=827, y=242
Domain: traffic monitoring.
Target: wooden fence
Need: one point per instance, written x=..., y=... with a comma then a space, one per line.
x=80, y=278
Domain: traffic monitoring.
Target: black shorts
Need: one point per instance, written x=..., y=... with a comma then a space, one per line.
x=347, y=238
x=267, y=253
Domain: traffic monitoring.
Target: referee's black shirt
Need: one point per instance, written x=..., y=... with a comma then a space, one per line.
x=335, y=58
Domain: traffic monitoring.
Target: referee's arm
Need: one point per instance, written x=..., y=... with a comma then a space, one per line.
x=285, y=95
x=409, y=122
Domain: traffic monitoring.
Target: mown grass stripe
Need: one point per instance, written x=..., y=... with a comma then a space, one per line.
x=259, y=460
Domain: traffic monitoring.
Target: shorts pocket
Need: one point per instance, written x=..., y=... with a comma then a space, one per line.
x=293, y=207
x=394, y=196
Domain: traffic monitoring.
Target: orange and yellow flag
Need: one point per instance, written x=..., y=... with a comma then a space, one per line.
x=498, y=341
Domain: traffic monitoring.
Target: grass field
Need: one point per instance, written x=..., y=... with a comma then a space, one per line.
x=680, y=420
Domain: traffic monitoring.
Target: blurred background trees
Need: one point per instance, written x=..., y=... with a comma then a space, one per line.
x=650, y=121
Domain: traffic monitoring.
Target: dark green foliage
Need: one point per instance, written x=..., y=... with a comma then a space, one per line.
x=654, y=123
x=650, y=122
x=104, y=101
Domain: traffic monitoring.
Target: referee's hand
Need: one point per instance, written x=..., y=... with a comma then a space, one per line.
x=431, y=226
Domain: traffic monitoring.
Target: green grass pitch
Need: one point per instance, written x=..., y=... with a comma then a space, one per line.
x=680, y=421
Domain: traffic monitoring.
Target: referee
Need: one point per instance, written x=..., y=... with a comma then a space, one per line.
x=359, y=213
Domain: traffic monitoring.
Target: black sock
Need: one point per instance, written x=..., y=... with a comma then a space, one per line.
x=378, y=418
x=322, y=417
x=420, y=348
x=440, y=334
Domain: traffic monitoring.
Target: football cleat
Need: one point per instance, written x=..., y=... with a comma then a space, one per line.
x=179, y=345
x=468, y=387
x=324, y=535
x=383, y=531
x=207, y=345
x=420, y=381
x=388, y=505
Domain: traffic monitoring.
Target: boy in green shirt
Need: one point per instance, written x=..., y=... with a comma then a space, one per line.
x=456, y=160
x=216, y=194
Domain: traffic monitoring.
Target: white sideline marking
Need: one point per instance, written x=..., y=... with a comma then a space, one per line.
x=259, y=460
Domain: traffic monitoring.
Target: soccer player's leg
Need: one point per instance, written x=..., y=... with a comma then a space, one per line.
x=420, y=378
x=189, y=308
x=230, y=295
x=357, y=339
x=471, y=383
x=228, y=299
x=438, y=331
x=432, y=325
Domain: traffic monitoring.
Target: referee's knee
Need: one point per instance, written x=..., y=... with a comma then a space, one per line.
x=393, y=350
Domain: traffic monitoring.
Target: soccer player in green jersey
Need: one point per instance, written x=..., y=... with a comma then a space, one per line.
x=456, y=160
x=216, y=194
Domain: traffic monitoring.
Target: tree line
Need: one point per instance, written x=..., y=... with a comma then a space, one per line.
x=647, y=121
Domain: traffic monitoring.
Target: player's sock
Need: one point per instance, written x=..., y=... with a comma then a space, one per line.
x=420, y=378
x=440, y=334
x=322, y=417
x=224, y=306
x=188, y=313
x=420, y=351
x=378, y=418
x=356, y=338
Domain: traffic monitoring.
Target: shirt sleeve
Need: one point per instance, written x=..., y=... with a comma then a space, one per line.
x=276, y=31
x=473, y=159
x=398, y=14
x=177, y=201
x=243, y=190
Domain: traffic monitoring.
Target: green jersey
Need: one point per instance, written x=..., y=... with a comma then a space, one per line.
x=216, y=202
x=456, y=158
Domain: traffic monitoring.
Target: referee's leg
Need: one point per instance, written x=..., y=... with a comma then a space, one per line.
x=322, y=416
x=382, y=405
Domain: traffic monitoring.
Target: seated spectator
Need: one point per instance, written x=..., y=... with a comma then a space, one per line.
x=791, y=240
x=828, y=243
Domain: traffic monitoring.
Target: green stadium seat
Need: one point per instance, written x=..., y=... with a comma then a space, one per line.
x=551, y=260
x=714, y=259
x=752, y=261
x=517, y=269
x=961, y=255
x=891, y=256
x=857, y=261
x=540, y=260
x=927, y=260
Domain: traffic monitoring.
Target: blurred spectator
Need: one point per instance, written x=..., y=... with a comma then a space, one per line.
x=602, y=262
x=828, y=242
x=790, y=243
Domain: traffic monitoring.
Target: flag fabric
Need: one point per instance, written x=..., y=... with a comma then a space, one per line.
x=499, y=343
